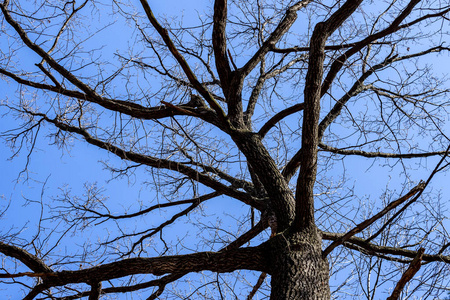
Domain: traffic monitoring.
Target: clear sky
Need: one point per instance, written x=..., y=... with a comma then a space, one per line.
x=50, y=169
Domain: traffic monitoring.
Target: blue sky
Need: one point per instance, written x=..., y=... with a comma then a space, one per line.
x=51, y=169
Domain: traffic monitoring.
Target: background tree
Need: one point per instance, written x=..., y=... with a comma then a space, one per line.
x=269, y=112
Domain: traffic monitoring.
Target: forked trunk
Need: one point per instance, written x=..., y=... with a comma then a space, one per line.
x=299, y=271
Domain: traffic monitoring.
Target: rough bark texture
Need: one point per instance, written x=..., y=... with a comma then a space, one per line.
x=281, y=197
x=299, y=270
x=297, y=267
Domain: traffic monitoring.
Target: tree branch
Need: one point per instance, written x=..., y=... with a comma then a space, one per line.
x=329, y=47
x=378, y=154
x=156, y=162
x=284, y=25
x=304, y=197
x=251, y=258
x=28, y=259
x=45, y=56
x=121, y=106
x=249, y=235
x=358, y=87
x=257, y=286
x=253, y=232
x=219, y=41
x=163, y=281
x=339, y=62
x=35, y=291
x=96, y=291
x=184, y=65
x=184, y=212
x=363, y=225
x=274, y=71
x=278, y=117
x=436, y=169
x=196, y=200
x=413, y=268
x=361, y=245
x=231, y=81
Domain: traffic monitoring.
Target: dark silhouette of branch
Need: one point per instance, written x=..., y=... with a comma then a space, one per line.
x=361, y=245
x=363, y=225
x=400, y=211
x=257, y=286
x=121, y=106
x=28, y=259
x=393, y=27
x=329, y=47
x=184, y=65
x=413, y=268
x=379, y=154
x=96, y=291
x=163, y=281
x=278, y=117
x=304, y=196
x=250, y=258
x=219, y=41
x=154, y=162
x=357, y=88
x=286, y=23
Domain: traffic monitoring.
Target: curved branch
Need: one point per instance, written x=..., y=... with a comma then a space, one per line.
x=286, y=23
x=304, y=197
x=278, y=117
x=31, y=261
x=358, y=87
x=219, y=41
x=327, y=148
x=413, y=268
x=182, y=62
x=125, y=107
x=363, y=225
x=196, y=201
x=253, y=232
x=329, y=47
x=184, y=212
x=251, y=258
x=156, y=162
x=360, y=244
x=339, y=62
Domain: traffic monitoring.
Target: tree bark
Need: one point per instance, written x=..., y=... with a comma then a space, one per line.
x=294, y=255
x=298, y=269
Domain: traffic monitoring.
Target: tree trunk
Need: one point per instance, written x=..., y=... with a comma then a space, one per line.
x=298, y=270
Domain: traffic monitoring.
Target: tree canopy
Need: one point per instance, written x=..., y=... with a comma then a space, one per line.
x=282, y=149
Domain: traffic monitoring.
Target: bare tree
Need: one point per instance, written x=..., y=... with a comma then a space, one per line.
x=275, y=105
